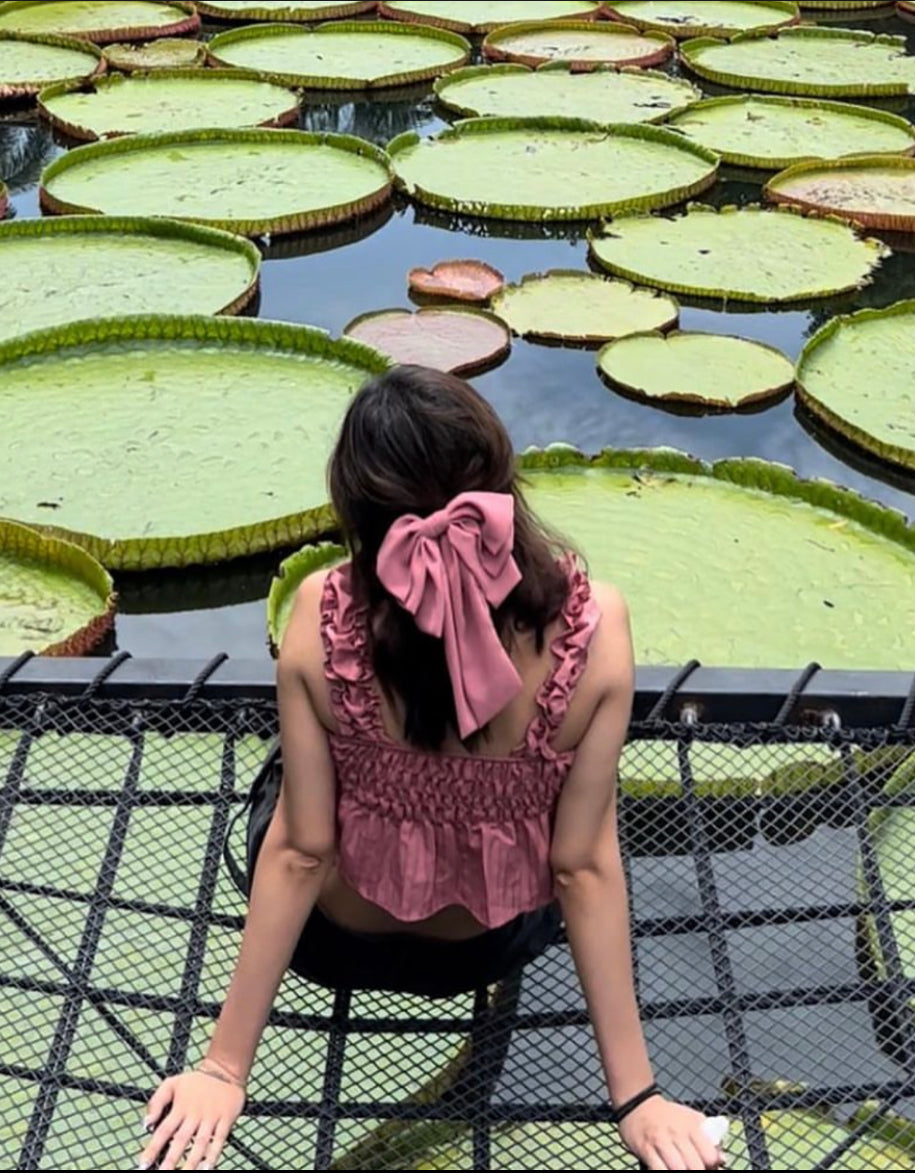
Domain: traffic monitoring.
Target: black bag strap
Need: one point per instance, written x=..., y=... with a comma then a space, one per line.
x=239, y=874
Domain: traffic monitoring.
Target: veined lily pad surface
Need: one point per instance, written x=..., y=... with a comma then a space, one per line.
x=878, y=192
x=748, y=254
x=343, y=55
x=835, y=584
x=477, y=16
x=581, y=44
x=550, y=169
x=254, y=10
x=857, y=375
x=167, y=101
x=771, y=133
x=100, y=20
x=28, y=63
x=809, y=62
x=247, y=181
x=693, y=18
x=603, y=95
x=55, y=599
x=471, y=281
x=166, y=53
x=169, y=441
x=708, y=370
x=453, y=338
x=571, y=306
x=131, y=266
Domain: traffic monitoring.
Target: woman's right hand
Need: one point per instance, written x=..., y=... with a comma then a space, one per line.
x=192, y=1116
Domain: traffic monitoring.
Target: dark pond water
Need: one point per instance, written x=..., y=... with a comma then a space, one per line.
x=544, y=394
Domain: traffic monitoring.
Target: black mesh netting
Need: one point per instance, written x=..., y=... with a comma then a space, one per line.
x=774, y=926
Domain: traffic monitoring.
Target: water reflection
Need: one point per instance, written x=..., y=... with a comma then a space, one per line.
x=26, y=148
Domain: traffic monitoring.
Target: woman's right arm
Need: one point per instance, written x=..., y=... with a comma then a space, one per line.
x=591, y=888
x=193, y=1113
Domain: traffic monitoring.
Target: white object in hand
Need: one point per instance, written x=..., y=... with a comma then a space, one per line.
x=716, y=1130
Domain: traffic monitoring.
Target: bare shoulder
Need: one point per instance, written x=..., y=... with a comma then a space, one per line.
x=302, y=638
x=611, y=655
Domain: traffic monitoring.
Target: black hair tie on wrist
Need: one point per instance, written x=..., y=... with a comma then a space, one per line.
x=636, y=1102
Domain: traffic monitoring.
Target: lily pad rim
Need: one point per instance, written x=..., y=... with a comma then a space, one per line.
x=688, y=49
x=109, y=34
x=748, y=472
x=249, y=12
x=589, y=340
x=27, y=89
x=294, y=222
x=312, y=557
x=882, y=252
x=471, y=126
x=491, y=269
x=896, y=455
x=197, y=549
x=763, y=163
x=191, y=73
x=492, y=50
x=789, y=7
x=718, y=406
x=57, y=553
x=518, y=69
x=468, y=28
x=889, y=222
x=485, y=363
x=161, y=227
x=323, y=81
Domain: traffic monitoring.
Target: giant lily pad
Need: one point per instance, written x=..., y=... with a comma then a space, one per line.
x=344, y=55
x=254, y=10
x=481, y=16
x=582, y=45
x=848, y=6
x=472, y=281
x=570, y=306
x=166, y=53
x=696, y=18
x=55, y=599
x=873, y=190
x=130, y=265
x=29, y=63
x=773, y=133
x=811, y=62
x=745, y=254
x=857, y=376
x=290, y=576
x=248, y=181
x=708, y=370
x=602, y=95
x=100, y=21
x=452, y=338
x=170, y=441
x=167, y=100
x=550, y=168
x=835, y=584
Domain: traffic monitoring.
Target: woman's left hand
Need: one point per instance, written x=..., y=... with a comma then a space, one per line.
x=668, y=1136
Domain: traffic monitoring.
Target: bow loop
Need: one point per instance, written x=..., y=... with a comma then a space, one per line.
x=448, y=570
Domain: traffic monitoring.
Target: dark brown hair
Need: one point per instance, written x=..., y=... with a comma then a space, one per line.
x=412, y=440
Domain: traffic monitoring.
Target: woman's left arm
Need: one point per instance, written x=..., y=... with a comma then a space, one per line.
x=196, y=1110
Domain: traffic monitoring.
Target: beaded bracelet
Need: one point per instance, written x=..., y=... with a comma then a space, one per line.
x=636, y=1102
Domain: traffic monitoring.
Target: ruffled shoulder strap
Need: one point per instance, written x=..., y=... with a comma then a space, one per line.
x=347, y=659
x=580, y=618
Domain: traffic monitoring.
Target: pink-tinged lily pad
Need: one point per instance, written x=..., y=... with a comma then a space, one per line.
x=472, y=281
x=453, y=339
x=876, y=191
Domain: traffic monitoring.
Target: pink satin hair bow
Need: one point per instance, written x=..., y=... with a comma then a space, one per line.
x=447, y=570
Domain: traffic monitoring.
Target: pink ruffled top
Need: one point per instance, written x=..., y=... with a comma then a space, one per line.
x=419, y=831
